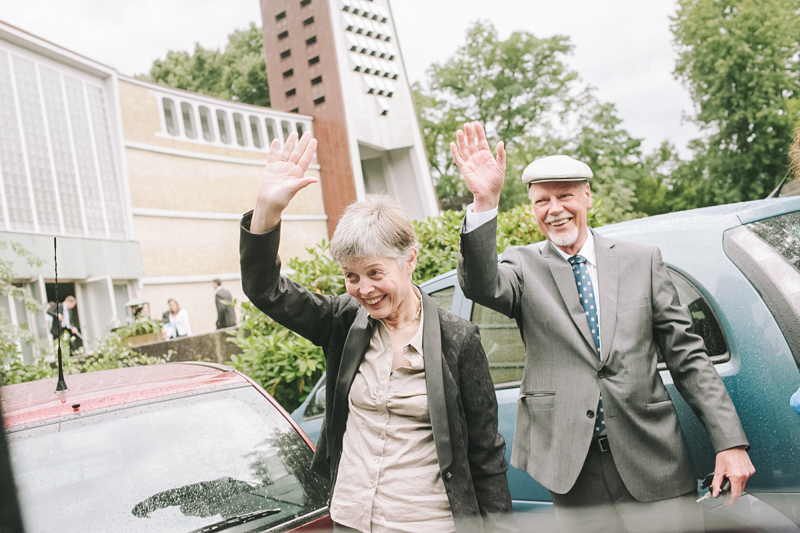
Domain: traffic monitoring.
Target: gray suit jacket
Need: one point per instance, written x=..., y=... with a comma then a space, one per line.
x=461, y=399
x=563, y=377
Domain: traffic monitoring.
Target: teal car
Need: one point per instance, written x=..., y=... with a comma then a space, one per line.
x=737, y=268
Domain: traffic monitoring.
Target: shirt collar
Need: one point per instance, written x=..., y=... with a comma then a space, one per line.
x=587, y=250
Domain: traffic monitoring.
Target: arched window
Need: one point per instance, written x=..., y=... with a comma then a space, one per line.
x=170, y=116
x=189, y=127
x=205, y=124
x=238, y=125
x=224, y=129
x=272, y=131
x=255, y=131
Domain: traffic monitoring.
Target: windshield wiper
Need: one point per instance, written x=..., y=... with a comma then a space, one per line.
x=236, y=520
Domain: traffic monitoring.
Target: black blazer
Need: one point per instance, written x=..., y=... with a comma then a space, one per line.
x=461, y=397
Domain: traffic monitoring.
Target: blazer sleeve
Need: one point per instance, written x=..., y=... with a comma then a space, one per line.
x=483, y=280
x=290, y=304
x=486, y=447
x=688, y=363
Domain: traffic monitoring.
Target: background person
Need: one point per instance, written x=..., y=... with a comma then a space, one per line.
x=410, y=440
x=595, y=423
x=226, y=315
x=179, y=319
x=65, y=318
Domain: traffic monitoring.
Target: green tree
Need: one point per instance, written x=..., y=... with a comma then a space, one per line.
x=511, y=86
x=591, y=132
x=739, y=60
x=239, y=73
x=523, y=93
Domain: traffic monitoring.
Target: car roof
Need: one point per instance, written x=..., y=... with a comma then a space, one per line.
x=719, y=217
x=36, y=401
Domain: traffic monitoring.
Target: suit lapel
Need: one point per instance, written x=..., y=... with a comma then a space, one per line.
x=608, y=279
x=434, y=381
x=565, y=281
x=355, y=347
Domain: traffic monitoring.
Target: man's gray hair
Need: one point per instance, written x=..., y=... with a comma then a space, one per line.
x=376, y=227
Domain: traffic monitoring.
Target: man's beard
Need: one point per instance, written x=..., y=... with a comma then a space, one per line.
x=562, y=239
x=565, y=239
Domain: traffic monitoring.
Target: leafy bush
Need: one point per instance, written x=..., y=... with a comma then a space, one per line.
x=438, y=237
x=140, y=326
x=285, y=364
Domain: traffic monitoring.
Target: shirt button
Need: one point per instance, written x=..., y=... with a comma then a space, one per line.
x=601, y=374
x=448, y=475
x=590, y=413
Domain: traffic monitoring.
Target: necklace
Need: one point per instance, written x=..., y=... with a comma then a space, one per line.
x=416, y=317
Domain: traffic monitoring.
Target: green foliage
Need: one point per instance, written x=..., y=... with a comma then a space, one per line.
x=740, y=60
x=140, y=326
x=525, y=95
x=438, y=237
x=239, y=73
x=113, y=352
x=510, y=86
x=285, y=364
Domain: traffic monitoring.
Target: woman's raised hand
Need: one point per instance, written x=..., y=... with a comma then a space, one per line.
x=281, y=179
x=483, y=173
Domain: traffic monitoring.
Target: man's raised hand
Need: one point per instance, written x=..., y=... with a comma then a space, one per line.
x=282, y=178
x=483, y=173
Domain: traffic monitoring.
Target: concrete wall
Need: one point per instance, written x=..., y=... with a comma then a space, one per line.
x=213, y=347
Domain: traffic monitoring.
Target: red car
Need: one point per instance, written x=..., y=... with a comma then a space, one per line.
x=179, y=447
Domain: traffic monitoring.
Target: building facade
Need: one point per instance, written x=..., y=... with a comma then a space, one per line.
x=338, y=60
x=193, y=167
x=63, y=175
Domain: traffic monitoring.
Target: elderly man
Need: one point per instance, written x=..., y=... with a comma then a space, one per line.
x=595, y=424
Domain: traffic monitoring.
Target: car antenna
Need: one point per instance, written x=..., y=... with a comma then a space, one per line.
x=62, y=385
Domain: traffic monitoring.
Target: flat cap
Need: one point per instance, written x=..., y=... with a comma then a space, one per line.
x=556, y=168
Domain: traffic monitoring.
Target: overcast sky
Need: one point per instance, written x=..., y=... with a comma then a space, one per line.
x=622, y=47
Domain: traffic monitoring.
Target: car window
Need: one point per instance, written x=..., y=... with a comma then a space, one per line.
x=502, y=343
x=783, y=234
x=316, y=406
x=172, y=465
x=704, y=322
x=768, y=254
x=444, y=297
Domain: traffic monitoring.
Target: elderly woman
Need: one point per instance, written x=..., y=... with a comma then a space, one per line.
x=410, y=440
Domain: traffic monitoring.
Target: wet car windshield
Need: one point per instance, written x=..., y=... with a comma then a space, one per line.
x=172, y=465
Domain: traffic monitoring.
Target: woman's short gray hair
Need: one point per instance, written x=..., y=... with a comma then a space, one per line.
x=376, y=227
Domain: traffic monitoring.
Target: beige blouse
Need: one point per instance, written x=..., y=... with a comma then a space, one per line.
x=389, y=477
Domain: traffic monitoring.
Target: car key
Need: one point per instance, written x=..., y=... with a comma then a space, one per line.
x=724, y=488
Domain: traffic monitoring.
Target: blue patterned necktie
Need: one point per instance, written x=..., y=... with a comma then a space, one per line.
x=586, y=294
